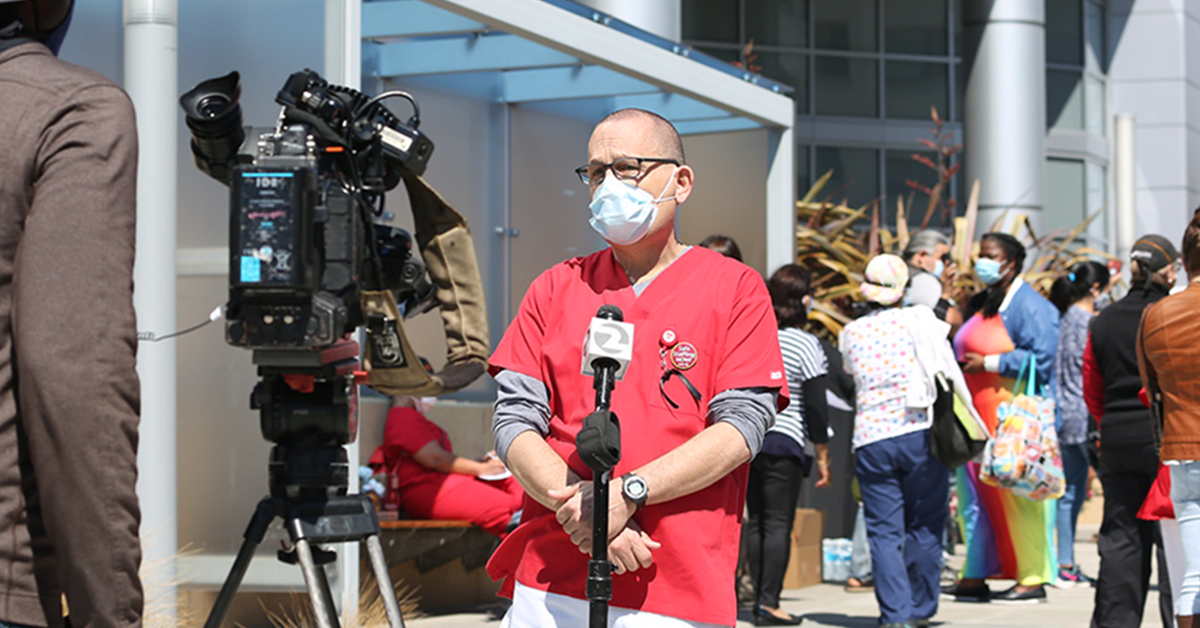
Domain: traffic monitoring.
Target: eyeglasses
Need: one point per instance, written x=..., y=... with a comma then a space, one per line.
x=626, y=169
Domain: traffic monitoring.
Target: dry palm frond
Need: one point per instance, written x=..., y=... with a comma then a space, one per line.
x=371, y=612
x=161, y=582
x=835, y=242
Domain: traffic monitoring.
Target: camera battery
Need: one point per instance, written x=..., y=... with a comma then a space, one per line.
x=272, y=230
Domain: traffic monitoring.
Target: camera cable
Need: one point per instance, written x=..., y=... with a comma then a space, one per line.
x=148, y=336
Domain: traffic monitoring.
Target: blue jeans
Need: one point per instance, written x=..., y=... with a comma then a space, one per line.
x=1185, y=495
x=904, y=491
x=1075, y=467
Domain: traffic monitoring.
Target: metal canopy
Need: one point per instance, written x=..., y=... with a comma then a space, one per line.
x=563, y=58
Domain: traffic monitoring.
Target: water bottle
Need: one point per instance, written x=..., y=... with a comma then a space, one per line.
x=845, y=552
x=828, y=557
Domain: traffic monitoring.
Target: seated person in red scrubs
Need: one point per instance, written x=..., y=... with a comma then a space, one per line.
x=434, y=483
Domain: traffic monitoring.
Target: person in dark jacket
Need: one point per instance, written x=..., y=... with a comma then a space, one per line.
x=69, y=394
x=1128, y=456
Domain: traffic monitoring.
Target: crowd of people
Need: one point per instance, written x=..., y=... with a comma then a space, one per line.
x=725, y=410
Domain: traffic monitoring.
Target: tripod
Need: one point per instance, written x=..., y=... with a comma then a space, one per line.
x=334, y=520
x=306, y=401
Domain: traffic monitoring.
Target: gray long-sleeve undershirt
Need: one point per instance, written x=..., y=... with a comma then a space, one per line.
x=523, y=404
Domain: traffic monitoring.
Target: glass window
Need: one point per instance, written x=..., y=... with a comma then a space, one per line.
x=855, y=174
x=730, y=55
x=1097, y=53
x=1065, y=195
x=845, y=25
x=790, y=69
x=847, y=87
x=913, y=87
x=902, y=168
x=1097, y=231
x=1064, y=31
x=1064, y=99
x=1093, y=106
x=957, y=22
x=711, y=20
x=915, y=26
x=803, y=178
x=777, y=22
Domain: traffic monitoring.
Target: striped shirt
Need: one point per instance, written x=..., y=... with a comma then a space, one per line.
x=803, y=359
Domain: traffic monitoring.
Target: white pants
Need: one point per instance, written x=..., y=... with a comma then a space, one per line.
x=1185, y=494
x=538, y=609
x=1173, y=548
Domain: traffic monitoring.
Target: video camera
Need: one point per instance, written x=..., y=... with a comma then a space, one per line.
x=302, y=198
x=309, y=263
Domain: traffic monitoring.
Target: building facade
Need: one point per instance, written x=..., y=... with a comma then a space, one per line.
x=867, y=72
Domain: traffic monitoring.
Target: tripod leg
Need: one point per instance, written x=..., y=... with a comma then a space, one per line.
x=327, y=592
x=318, y=587
x=263, y=514
x=387, y=592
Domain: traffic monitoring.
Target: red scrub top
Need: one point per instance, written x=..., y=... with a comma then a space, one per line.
x=724, y=338
x=404, y=434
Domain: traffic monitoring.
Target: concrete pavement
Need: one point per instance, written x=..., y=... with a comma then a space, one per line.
x=829, y=605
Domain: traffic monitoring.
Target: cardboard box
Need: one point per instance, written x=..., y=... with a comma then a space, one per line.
x=804, y=564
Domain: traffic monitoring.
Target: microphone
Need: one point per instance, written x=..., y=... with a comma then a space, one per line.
x=607, y=349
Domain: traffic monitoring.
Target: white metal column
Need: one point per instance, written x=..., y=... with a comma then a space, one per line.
x=661, y=17
x=1125, y=162
x=781, y=198
x=151, y=78
x=1004, y=121
x=343, y=66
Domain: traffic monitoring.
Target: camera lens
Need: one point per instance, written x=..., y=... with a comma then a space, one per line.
x=212, y=106
x=215, y=120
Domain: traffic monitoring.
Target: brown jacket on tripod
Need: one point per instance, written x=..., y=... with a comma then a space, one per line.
x=69, y=395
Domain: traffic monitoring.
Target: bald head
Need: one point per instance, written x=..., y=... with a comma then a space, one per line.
x=659, y=131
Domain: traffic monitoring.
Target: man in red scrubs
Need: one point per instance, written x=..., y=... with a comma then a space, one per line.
x=704, y=384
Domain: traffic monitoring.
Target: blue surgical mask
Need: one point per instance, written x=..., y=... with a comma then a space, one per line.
x=939, y=267
x=622, y=213
x=988, y=271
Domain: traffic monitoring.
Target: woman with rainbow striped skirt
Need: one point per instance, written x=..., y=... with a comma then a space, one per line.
x=1007, y=536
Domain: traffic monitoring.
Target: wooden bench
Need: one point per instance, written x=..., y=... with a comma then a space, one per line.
x=433, y=543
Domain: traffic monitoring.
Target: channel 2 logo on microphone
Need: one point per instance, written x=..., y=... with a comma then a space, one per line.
x=610, y=339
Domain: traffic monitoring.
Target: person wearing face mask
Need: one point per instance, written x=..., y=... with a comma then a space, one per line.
x=703, y=385
x=436, y=483
x=1008, y=325
x=931, y=275
x=1128, y=461
x=69, y=392
x=1075, y=295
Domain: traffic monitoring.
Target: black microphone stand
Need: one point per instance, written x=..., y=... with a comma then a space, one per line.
x=599, y=444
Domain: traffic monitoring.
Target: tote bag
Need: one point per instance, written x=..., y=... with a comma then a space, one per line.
x=950, y=440
x=1025, y=456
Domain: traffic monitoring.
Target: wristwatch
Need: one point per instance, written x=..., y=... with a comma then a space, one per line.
x=635, y=489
